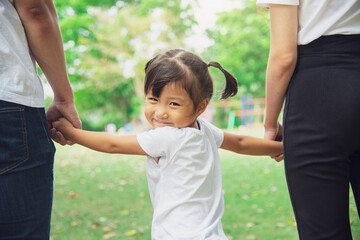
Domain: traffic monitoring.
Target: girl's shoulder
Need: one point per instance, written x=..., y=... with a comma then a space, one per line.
x=211, y=131
x=207, y=126
x=164, y=141
x=167, y=134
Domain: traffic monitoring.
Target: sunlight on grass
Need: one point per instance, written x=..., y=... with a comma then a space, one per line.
x=103, y=196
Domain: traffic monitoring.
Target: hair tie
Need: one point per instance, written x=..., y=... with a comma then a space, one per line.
x=208, y=64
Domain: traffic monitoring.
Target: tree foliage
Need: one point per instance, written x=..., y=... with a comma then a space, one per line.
x=107, y=44
x=241, y=44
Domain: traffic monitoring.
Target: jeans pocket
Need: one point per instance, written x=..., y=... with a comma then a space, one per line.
x=42, y=120
x=13, y=138
x=47, y=145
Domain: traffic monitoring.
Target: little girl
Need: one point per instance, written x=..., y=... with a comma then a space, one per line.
x=183, y=165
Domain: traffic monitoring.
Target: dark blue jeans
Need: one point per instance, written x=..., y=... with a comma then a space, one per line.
x=26, y=173
x=322, y=136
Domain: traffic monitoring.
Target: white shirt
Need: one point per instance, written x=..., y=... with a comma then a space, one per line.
x=323, y=17
x=19, y=81
x=185, y=183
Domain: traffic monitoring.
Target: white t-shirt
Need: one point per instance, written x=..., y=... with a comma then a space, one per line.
x=323, y=17
x=185, y=183
x=19, y=81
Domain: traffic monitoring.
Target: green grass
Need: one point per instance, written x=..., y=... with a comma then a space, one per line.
x=103, y=196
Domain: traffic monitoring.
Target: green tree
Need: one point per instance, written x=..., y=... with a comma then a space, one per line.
x=107, y=44
x=242, y=40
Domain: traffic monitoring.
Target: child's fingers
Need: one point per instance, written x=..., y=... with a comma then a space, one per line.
x=279, y=158
x=68, y=142
x=57, y=136
x=55, y=124
x=60, y=138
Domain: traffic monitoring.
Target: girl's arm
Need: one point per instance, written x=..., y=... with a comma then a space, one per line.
x=99, y=141
x=281, y=63
x=251, y=145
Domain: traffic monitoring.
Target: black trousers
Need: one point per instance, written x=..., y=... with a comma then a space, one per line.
x=322, y=136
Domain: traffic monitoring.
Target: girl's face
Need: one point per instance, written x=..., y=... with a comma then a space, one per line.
x=173, y=108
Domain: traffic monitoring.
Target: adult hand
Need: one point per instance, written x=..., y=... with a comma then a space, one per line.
x=58, y=110
x=275, y=133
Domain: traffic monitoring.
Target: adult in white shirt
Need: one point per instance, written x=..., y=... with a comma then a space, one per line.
x=314, y=63
x=29, y=32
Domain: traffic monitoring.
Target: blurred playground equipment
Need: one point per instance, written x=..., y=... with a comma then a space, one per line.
x=246, y=112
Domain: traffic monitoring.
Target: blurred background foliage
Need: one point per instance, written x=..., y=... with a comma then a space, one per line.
x=107, y=44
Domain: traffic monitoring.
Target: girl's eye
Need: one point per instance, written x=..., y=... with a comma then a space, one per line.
x=174, y=104
x=151, y=99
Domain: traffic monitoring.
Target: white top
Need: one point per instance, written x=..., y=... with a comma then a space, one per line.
x=323, y=17
x=185, y=183
x=19, y=81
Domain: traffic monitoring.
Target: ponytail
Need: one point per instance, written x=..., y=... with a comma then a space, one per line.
x=231, y=86
x=189, y=71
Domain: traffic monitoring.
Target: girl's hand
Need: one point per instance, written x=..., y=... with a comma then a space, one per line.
x=64, y=126
x=275, y=133
x=278, y=158
x=57, y=110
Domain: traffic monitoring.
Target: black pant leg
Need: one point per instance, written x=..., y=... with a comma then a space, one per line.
x=321, y=132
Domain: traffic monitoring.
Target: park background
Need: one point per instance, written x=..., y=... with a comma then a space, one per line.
x=107, y=43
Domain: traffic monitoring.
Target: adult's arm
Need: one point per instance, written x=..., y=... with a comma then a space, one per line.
x=281, y=64
x=41, y=26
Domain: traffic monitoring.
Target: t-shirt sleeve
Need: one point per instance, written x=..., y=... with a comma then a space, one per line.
x=266, y=3
x=157, y=142
x=216, y=132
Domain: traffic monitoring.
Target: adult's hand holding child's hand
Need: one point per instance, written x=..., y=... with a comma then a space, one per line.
x=276, y=134
x=57, y=110
x=64, y=126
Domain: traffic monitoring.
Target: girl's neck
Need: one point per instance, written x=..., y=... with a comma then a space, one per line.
x=195, y=124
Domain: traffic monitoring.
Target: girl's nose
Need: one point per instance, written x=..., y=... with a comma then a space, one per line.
x=161, y=113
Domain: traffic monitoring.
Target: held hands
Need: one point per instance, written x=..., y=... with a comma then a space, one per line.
x=64, y=126
x=275, y=133
x=58, y=110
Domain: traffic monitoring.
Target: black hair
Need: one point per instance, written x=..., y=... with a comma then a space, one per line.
x=189, y=71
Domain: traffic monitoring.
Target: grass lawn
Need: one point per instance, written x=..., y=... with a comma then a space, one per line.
x=103, y=196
